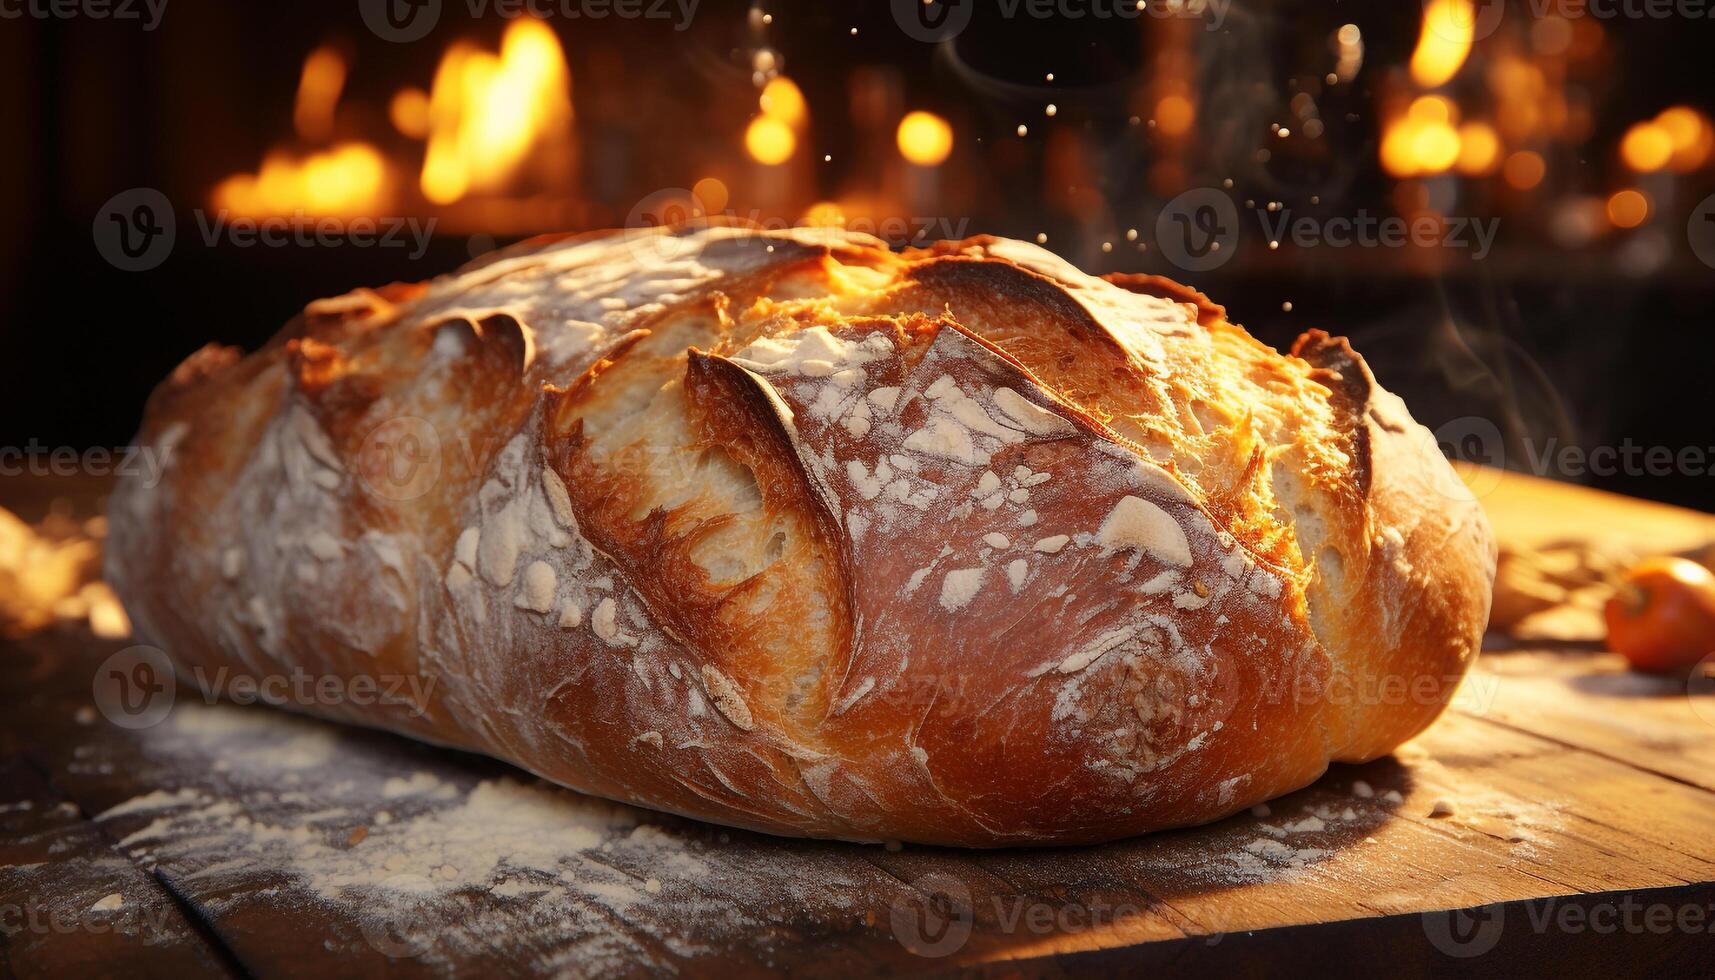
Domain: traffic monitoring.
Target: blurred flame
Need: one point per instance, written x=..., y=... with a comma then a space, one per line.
x=345, y=180
x=1479, y=148
x=318, y=93
x=1174, y=115
x=488, y=114
x=1646, y=147
x=1423, y=141
x=409, y=112
x=1689, y=134
x=1524, y=170
x=769, y=141
x=782, y=99
x=1522, y=96
x=1429, y=110
x=824, y=214
x=711, y=193
x=925, y=139
x=1628, y=208
x=1444, y=41
x=772, y=137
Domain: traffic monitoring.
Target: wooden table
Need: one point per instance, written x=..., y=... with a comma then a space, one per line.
x=244, y=841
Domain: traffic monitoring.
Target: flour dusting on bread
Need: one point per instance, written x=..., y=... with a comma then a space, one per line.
x=789, y=531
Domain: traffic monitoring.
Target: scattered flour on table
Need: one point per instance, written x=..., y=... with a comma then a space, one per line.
x=1315, y=833
x=371, y=837
x=419, y=834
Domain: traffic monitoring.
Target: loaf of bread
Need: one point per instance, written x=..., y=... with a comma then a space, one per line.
x=792, y=532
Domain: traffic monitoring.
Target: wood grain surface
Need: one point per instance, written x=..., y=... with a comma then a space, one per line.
x=1557, y=821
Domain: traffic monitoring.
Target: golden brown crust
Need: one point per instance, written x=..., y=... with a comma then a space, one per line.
x=791, y=532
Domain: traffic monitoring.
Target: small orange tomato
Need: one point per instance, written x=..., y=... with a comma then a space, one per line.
x=1663, y=617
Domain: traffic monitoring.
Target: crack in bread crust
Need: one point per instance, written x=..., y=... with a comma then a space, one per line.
x=786, y=530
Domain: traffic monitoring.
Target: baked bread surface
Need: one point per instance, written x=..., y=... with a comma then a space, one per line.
x=788, y=531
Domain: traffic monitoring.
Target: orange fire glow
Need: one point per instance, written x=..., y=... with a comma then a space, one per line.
x=409, y=113
x=1679, y=139
x=772, y=137
x=1449, y=27
x=490, y=115
x=1424, y=140
x=347, y=180
x=319, y=87
x=924, y=138
x=1524, y=169
x=493, y=123
x=782, y=99
x=1628, y=208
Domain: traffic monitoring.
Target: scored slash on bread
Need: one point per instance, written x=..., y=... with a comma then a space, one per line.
x=788, y=531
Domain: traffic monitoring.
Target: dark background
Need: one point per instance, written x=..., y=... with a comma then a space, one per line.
x=1582, y=345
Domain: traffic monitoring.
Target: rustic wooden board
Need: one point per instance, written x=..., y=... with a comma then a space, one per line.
x=244, y=840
